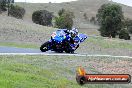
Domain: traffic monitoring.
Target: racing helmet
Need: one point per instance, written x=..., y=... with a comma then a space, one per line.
x=75, y=30
x=73, y=34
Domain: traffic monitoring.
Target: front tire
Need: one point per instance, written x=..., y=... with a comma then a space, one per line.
x=44, y=47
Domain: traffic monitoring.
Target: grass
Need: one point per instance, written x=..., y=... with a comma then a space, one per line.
x=100, y=45
x=100, y=41
x=20, y=31
x=111, y=43
x=53, y=71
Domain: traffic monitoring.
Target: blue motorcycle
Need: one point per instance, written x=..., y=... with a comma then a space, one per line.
x=61, y=41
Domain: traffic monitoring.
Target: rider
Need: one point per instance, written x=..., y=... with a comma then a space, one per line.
x=75, y=30
x=74, y=37
x=73, y=33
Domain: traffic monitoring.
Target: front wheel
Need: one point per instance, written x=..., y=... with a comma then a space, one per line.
x=44, y=47
x=70, y=50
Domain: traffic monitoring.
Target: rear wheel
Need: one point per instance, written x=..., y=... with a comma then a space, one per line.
x=44, y=47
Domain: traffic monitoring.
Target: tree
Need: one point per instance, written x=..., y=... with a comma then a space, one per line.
x=65, y=19
x=16, y=11
x=42, y=17
x=124, y=34
x=3, y=5
x=128, y=25
x=110, y=18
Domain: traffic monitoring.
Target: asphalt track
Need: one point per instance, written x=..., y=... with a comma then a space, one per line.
x=4, y=50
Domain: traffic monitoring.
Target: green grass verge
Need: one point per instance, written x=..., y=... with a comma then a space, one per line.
x=48, y=71
x=110, y=43
x=19, y=45
x=97, y=41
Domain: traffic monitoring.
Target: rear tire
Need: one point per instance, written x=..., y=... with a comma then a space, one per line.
x=44, y=47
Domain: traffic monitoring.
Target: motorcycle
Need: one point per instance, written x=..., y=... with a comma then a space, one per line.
x=61, y=41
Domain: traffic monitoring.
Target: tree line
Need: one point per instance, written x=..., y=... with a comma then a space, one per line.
x=112, y=22
x=12, y=10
